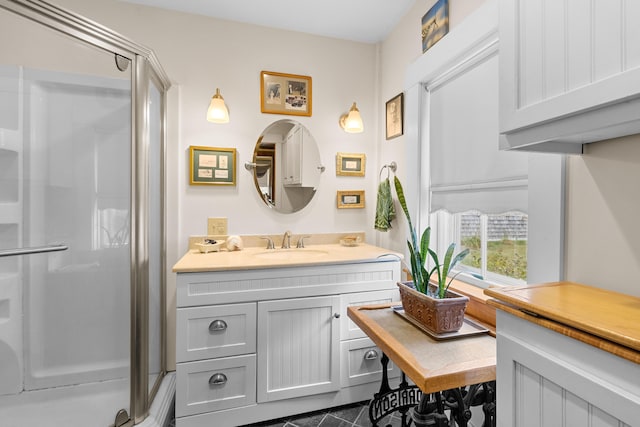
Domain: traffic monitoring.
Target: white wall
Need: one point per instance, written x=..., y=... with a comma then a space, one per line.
x=602, y=227
x=401, y=48
x=602, y=246
x=199, y=54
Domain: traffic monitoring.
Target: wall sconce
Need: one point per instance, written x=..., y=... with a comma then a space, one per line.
x=218, y=112
x=352, y=122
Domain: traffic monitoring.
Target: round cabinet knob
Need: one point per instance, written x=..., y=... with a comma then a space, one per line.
x=336, y=315
x=371, y=355
x=217, y=379
x=217, y=325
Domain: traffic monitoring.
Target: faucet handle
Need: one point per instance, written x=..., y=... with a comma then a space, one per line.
x=270, y=244
x=301, y=241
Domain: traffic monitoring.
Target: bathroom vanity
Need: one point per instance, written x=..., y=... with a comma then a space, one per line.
x=263, y=333
x=568, y=355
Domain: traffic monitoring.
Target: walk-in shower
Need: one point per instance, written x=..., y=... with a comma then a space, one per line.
x=82, y=129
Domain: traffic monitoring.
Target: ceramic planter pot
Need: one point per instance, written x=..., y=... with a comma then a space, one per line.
x=438, y=315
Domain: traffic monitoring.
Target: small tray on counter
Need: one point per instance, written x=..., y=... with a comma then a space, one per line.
x=469, y=327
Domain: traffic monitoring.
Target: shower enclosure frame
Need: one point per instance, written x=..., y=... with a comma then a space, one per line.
x=146, y=70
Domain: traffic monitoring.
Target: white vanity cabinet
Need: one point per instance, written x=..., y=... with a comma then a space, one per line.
x=292, y=150
x=259, y=344
x=569, y=73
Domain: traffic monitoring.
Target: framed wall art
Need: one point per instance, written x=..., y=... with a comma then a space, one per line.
x=282, y=93
x=350, y=199
x=350, y=164
x=435, y=24
x=395, y=116
x=212, y=166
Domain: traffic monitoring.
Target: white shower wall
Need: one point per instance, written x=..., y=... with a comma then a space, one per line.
x=74, y=189
x=11, y=367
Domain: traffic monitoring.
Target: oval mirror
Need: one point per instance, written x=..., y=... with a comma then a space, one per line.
x=286, y=166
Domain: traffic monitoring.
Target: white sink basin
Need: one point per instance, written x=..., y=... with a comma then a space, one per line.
x=291, y=254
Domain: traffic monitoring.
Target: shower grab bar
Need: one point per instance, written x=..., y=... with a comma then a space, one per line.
x=33, y=250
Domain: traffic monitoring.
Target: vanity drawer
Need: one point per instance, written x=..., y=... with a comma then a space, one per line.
x=215, y=331
x=360, y=363
x=348, y=329
x=212, y=385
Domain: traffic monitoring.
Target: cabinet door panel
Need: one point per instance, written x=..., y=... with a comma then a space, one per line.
x=298, y=347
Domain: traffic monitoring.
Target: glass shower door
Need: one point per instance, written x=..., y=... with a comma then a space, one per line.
x=65, y=180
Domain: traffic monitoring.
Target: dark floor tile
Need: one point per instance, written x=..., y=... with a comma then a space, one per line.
x=331, y=421
x=349, y=413
x=343, y=416
x=281, y=422
x=364, y=421
x=312, y=419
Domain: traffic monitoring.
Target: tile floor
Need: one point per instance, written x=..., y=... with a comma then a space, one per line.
x=355, y=415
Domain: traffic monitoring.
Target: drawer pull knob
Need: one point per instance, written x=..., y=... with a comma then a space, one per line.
x=217, y=325
x=371, y=355
x=217, y=379
x=336, y=315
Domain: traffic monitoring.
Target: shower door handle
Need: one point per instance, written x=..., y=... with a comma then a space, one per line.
x=33, y=250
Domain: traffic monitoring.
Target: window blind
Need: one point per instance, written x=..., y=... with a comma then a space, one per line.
x=468, y=171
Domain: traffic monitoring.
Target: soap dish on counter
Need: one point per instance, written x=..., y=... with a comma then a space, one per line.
x=210, y=245
x=350, y=241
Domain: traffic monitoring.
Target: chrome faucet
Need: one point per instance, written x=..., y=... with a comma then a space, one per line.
x=286, y=240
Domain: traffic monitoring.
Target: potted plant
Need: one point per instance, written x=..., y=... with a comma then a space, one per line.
x=428, y=299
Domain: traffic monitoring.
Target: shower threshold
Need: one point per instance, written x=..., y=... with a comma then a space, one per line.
x=83, y=405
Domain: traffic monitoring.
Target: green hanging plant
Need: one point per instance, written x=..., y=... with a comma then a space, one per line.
x=418, y=256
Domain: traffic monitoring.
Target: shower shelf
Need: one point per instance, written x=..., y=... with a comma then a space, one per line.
x=10, y=214
x=9, y=170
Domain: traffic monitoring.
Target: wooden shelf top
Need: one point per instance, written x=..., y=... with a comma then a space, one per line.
x=606, y=314
x=432, y=365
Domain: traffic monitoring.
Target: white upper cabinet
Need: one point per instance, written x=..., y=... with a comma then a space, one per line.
x=301, y=159
x=569, y=73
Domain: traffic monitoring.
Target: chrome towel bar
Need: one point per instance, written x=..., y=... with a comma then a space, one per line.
x=33, y=250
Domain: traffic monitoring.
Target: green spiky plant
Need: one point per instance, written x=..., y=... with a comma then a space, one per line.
x=418, y=255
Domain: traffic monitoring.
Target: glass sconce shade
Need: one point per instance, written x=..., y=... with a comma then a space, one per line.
x=352, y=121
x=218, y=112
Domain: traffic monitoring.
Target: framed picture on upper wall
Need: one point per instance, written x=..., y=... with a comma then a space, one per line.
x=212, y=166
x=350, y=164
x=435, y=24
x=395, y=116
x=282, y=93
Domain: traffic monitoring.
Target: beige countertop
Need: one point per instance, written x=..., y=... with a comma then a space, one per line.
x=259, y=257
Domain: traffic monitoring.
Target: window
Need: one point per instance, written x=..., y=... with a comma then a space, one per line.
x=478, y=194
x=452, y=112
x=497, y=245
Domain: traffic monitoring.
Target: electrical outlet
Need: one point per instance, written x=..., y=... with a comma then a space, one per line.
x=217, y=227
